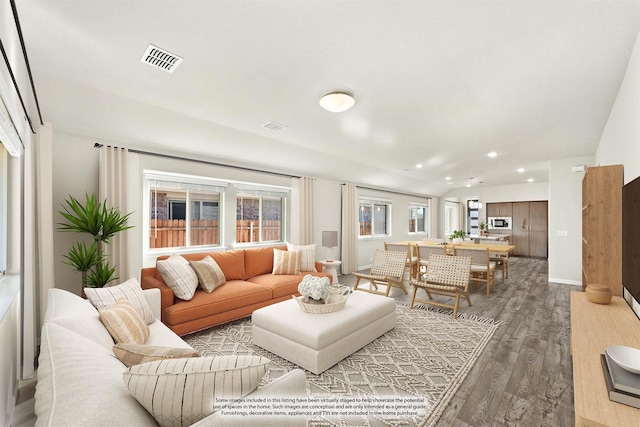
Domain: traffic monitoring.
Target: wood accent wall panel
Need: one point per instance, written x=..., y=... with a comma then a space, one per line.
x=602, y=227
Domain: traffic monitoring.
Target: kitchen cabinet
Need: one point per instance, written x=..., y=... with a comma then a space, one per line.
x=499, y=209
x=602, y=227
x=530, y=229
x=529, y=226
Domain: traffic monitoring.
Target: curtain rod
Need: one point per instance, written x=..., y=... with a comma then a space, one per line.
x=26, y=58
x=206, y=162
x=393, y=192
x=15, y=85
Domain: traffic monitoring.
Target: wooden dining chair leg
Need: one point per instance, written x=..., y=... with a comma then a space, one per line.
x=413, y=297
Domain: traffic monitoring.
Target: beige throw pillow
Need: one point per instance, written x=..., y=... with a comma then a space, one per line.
x=130, y=290
x=124, y=323
x=209, y=273
x=179, y=392
x=307, y=256
x=134, y=354
x=286, y=262
x=179, y=276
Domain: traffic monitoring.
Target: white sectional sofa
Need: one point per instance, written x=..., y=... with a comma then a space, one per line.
x=80, y=381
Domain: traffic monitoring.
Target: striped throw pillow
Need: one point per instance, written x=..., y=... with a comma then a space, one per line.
x=134, y=354
x=307, y=256
x=286, y=262
x=179, y=276
x=130, y=290
x=181, y=392
x=124, y=323
x=209, y=273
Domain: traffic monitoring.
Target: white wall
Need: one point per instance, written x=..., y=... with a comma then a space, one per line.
x=620, y=142
x=75, y=172
x=565, y=214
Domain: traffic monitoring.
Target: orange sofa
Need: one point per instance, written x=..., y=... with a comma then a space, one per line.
x=250, y=285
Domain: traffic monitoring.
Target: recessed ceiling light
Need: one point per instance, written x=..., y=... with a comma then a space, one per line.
x=419, y=165
x=492, y=154
x=520, y=170
x=468, y=185
x=530, y=180
x=337, y=102
x=448, y=178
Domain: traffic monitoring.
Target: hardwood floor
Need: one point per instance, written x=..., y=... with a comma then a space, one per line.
x=524, y=375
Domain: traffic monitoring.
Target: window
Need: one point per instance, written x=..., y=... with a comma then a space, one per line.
x=374, y=218
x=418, y=218
x=184, y=211
x=472, y=219
x=260, y=214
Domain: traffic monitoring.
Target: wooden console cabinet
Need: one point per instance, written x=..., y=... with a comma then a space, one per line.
x=594, y=327
x=602, y=227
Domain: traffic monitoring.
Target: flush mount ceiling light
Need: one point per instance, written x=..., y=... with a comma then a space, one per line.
x=337, y=102
x=520, y=170
x=492, y=154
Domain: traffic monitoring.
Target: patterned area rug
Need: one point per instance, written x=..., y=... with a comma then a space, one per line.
x=427, y=356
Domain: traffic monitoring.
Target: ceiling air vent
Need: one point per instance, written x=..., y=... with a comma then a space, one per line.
x=277, y=127
x=161, y=58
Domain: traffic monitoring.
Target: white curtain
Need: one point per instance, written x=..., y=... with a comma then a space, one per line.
x=349, y=244
x=302, y=206
x=120, y=187
x=29, y=255
x=37, y=228
x=434, y=215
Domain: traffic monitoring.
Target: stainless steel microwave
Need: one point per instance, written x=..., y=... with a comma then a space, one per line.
x=499, y=223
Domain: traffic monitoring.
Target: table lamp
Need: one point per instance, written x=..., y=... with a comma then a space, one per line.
x=329, y=241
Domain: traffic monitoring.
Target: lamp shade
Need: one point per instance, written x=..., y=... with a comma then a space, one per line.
x=329, y=239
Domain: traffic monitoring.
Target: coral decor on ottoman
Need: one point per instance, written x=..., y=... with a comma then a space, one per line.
x=315, y=289
x=248, y=284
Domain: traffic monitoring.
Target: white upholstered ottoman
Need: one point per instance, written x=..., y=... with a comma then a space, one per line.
x=316, y=342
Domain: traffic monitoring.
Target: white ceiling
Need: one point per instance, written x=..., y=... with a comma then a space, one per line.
x=440, y=83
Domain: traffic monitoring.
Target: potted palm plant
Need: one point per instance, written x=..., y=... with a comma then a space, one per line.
x=102, y=223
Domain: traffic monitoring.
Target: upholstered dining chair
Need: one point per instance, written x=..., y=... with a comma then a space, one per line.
x=424, y=251
x=409, y=249
x=387, y=269
x=446, y=275
x=482, y=269
x=501, y=259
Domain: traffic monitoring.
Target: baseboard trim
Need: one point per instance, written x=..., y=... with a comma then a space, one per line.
x=565, y=281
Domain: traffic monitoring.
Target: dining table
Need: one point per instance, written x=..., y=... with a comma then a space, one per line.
x=493, y=248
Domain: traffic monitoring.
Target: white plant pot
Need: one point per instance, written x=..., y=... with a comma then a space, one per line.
x=457, y=240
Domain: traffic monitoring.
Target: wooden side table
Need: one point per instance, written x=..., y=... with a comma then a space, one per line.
x=331, y=267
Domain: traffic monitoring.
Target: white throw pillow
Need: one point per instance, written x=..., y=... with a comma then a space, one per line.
x=209, y=273
x=130, y=290
x=307, y=256
x=179, y=276
x=180, y=392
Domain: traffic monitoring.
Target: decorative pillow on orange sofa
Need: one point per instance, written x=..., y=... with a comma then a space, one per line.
x=231, y=263
x=259, y=261
x=286, y=262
